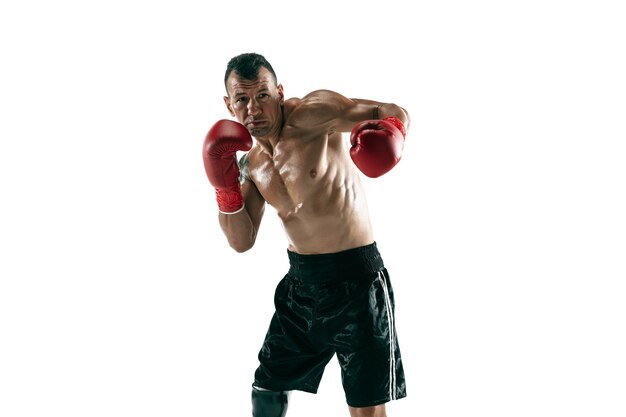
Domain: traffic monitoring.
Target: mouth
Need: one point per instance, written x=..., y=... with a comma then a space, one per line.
x=253, y=122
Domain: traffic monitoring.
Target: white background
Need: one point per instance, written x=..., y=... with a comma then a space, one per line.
x=502, y=227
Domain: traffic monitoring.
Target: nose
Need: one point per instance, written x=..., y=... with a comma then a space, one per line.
x=253, y=107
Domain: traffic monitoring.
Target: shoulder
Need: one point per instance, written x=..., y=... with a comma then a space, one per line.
x=317, y=107
x=322, y=97
x=315, y=99
x=252, y=159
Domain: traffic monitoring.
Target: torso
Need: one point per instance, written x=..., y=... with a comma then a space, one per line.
x=309, y=178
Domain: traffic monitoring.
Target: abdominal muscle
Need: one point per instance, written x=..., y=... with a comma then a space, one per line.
x=328, y=223
x=318, y=196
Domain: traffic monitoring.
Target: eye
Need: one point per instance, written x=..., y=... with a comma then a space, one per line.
x=263, y=96
x=240, y=101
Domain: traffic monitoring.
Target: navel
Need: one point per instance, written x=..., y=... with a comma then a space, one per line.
x=313, y=173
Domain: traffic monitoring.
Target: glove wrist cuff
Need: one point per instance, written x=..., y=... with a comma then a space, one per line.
x=397, y=123
x=229, y=200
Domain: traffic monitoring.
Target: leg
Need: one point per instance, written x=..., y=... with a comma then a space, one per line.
x=375, y=411
x=269, y=403
x=370, y=361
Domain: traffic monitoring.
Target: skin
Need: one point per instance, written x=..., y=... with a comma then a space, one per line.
x=300, y=165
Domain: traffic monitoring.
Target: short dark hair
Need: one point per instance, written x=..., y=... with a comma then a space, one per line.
x=248, y=66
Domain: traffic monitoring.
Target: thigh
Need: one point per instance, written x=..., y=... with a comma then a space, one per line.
x=371, y=364
x=292, y=357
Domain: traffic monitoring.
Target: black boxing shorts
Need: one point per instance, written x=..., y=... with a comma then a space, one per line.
x=340, y=303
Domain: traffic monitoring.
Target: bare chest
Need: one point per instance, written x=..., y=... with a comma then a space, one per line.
x=295, y=175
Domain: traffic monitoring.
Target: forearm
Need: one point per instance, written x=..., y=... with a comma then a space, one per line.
x=239, y=230
x=390, y=109
x=375, y=110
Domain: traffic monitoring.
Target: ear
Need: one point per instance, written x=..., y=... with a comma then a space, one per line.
x=228, y=106
x=281, y=93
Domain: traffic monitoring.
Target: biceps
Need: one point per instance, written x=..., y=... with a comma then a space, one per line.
x=355, y=112
x=333, y=111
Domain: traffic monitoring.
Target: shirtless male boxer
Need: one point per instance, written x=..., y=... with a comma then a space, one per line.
x=336, y=297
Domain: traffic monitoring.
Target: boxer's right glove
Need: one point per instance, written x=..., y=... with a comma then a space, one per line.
x=377, y=145
x=221, y=144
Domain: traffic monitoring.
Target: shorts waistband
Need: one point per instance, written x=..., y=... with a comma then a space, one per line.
x=344, y=265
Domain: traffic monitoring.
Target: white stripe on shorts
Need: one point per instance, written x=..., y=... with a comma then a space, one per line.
x=392, y=337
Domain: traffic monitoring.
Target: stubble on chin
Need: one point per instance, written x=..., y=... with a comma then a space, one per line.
x=259, y=132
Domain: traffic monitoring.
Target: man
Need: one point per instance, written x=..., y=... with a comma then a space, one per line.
x=336, y=297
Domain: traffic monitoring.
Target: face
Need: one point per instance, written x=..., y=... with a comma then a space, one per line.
x=257, y=104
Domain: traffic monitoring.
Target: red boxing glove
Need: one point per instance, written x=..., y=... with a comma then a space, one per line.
x=377, y=145
x=221, y=144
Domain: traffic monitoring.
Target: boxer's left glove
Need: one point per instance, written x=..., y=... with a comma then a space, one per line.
x=377, y=145
x=221, y=144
